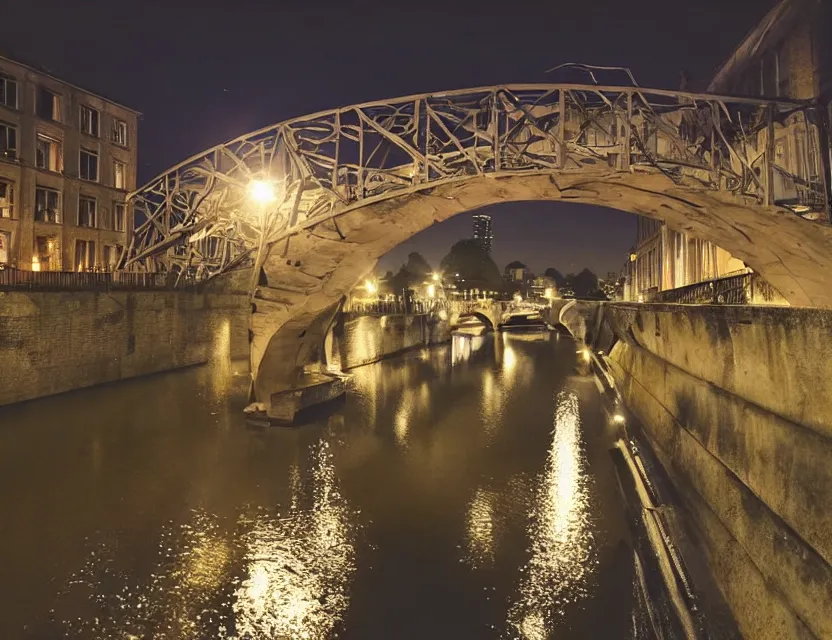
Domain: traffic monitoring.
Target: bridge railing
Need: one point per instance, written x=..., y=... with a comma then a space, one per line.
x=21, y=280
x=200, y=212
x=744, y=288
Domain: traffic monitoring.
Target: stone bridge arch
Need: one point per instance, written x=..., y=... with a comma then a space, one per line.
x=488, y=311
x=351, y=184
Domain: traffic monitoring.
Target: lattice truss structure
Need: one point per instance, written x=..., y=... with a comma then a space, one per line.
x=198, y=220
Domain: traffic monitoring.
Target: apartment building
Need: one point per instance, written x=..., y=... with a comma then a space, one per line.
x=68, y=159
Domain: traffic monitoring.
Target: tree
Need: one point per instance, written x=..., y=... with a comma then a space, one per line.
x=473, y=264
x=584, y=283
x=418, y=266
x=415, y=271
x=556, y=277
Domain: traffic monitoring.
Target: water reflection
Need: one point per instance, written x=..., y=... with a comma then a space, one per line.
x=481, y=524
x=562, y=545
x=299, y=566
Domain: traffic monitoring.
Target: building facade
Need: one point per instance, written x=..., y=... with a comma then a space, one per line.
x=68, y=159
x=666, y=259
x=787, y=55
x=483, y=232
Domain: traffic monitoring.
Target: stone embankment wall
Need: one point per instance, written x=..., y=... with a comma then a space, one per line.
x=56, y=342
x=737, y=405
x=367, y=339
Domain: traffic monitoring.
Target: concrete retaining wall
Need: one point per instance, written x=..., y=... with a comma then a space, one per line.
x=370, y=338
x=56, y=342
x=737, y=405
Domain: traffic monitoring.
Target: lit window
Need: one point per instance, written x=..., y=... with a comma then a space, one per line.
x=6, y=199
x=119, y=214
x=49, y=154
x=47, y=254
x=88, y=169
x=119, y=132
x=47, y=205
x=89, y=120
x=87, y=212
x=8, y=92
x=84, y=255
x=119, y=175
x=49, y=105
x=8, y=142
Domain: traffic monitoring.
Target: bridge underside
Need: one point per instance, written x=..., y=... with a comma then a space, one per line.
x=307, y=273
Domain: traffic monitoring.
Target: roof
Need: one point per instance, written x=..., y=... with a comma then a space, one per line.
x=516, y=265
x=45, y=72
x=750, y=45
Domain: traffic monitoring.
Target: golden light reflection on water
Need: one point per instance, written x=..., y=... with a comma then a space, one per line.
x=480, y=539
x=299, y=566
x=562, y=547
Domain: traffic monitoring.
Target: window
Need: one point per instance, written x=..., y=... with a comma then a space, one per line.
x=48, y=105
x=111, y=255
x=88, y=169
x=5, y=247
x=47, y=205
x=87, y=211
x=8, y=92
x=89, y=120
x=119, y=213
x=8, y=142
x=119, y=132
x=47, y=255
x=49, y=154
x=119, y=175
x=84, y=255
x=6, y=199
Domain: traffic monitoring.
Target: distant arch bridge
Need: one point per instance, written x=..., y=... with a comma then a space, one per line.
x=336, y=190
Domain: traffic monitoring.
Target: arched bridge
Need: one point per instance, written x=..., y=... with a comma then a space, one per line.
x=326, y=195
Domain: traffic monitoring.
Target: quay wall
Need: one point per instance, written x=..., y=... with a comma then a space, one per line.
x=52, y=342
x=736, y=404
x=365, y=339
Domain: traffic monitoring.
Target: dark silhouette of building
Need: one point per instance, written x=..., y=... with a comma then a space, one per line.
x=482, y=231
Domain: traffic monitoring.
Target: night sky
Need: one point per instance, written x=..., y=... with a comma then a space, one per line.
x=205, y=72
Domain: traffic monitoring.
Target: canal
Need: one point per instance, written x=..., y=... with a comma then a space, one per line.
x=464, y=491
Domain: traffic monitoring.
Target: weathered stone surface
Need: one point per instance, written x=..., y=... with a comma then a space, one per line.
x=751, y=463
x=56, y=342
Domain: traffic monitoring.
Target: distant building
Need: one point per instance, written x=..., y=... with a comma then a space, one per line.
x=516, y=272
x=483, y=232
x=67, y=163
x=666, y=259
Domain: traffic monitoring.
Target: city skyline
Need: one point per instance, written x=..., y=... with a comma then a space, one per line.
x=529, y=232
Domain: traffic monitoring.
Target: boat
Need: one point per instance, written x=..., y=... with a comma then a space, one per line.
x=530, y=321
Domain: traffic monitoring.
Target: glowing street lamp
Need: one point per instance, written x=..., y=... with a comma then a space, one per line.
x=370, y=287
x=262, y=191
x=435, y=277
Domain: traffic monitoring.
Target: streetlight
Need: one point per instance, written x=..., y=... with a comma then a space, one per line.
x=370, y=287
x=435, y=277
x=262, y=191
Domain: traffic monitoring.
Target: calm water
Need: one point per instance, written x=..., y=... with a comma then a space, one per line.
x=460, y=492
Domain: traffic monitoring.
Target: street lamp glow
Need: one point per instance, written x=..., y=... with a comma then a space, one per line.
x=262, y=191
x=370, y=287
x=436, y=277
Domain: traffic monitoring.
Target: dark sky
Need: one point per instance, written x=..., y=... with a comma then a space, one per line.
x=203, y=72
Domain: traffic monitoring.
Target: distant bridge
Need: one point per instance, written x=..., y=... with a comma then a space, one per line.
x=343, y=187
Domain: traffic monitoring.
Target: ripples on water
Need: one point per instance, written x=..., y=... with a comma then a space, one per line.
x=481, y=455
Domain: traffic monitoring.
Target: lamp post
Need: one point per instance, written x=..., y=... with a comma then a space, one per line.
x=262, y=193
